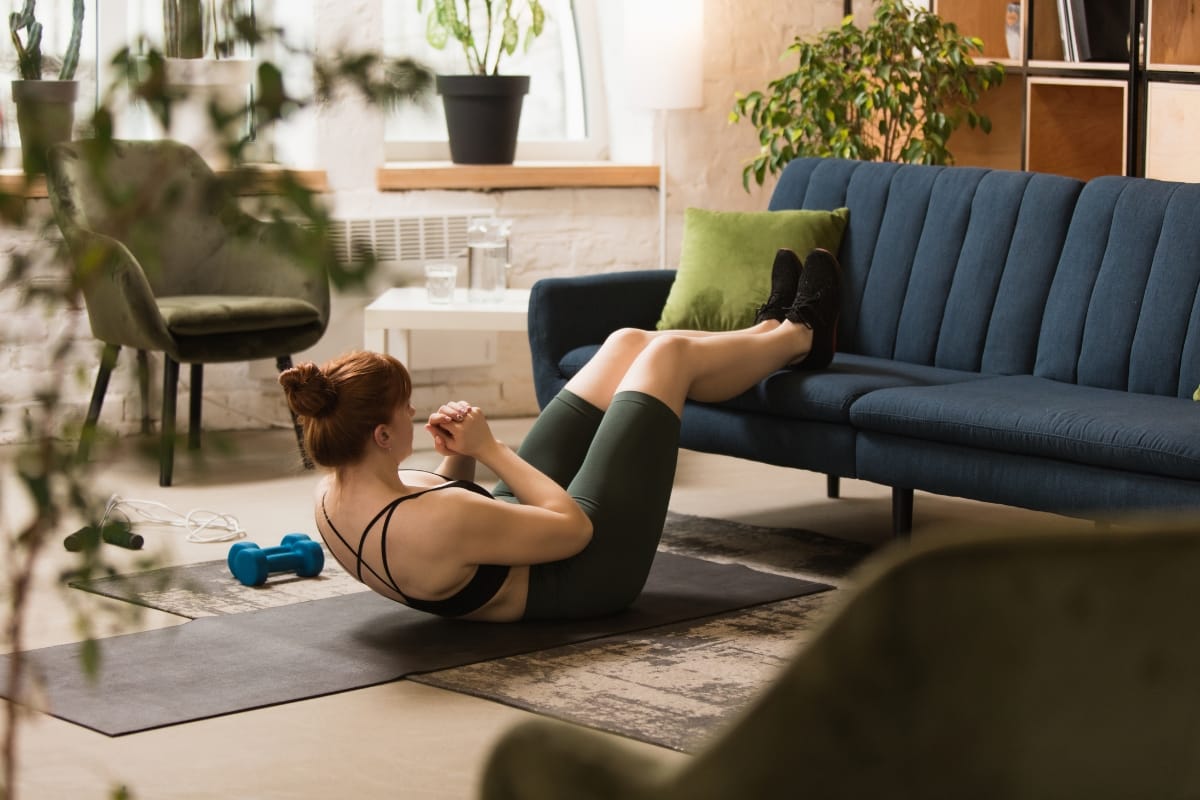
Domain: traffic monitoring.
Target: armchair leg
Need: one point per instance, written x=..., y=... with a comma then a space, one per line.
x=194, y=406
x=833, y=486
x=166, y=451
x=108, y=360
x=143, y=374
x=282, y=363
x=902, y=511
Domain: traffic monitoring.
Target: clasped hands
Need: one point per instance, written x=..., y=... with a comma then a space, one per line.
x=459, y=428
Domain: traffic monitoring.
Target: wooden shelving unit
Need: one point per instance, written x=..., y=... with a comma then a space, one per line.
x=1138, y=116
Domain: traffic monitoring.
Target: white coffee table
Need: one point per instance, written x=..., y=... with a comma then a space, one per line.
x=391, y=321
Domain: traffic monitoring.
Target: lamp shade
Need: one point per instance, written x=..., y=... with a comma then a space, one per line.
x=664, y=53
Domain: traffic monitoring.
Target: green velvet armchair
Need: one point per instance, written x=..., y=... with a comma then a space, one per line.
x=167, y=262
x=988, y=665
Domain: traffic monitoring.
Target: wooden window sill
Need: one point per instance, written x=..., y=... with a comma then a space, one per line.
x=402, y=176
x=13, y=181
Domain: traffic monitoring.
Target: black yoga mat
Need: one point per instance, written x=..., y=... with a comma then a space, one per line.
x=237, y=662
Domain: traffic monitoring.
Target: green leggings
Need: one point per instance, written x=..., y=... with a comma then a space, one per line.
x=619, y=465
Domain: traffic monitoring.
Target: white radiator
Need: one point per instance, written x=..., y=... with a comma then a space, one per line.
x=404, y=244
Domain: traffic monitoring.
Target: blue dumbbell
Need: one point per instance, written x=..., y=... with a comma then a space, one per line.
x=297, y=553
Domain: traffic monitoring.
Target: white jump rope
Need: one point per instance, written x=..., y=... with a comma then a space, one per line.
x=201, y=525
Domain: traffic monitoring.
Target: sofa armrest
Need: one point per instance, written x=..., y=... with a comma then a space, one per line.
x=566, y=313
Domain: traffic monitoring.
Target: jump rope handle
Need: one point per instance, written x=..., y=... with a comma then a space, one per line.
x=112, y=533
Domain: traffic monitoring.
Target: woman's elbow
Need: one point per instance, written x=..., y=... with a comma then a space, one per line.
x=580, y=532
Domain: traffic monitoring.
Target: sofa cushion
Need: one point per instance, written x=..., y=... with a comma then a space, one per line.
x=725, y=262
x=827, y=395
x=824, y=396
x=1027, y=415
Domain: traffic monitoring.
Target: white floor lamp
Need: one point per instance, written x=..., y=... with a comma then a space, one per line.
x=664, y=55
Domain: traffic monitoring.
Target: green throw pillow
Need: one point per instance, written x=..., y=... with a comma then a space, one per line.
x=725, y=264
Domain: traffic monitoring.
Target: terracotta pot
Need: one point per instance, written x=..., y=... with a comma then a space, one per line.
x=45, y=117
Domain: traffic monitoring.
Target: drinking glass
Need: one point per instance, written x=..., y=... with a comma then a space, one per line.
x=440, y=280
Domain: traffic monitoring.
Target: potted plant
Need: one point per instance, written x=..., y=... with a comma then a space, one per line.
x=895, y=91
x=483, y=107
x=203, y=73
x=45, y=108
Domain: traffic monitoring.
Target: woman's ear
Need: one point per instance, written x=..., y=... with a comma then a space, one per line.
x=382, y=437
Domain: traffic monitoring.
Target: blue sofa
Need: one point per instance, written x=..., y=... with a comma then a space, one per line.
x=1011, y=337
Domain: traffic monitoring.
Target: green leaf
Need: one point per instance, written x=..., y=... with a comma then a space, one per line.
x=436, y=33
x=539, y=19
x=512, y=34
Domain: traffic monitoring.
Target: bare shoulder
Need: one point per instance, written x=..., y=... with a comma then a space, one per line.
x=421, y=479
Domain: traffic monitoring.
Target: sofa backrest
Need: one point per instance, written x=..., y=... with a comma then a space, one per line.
x=946, y=266
x=1122, y=311
x=1011, y=273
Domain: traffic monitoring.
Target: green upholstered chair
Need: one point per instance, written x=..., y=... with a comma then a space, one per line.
x=1028, y=665
x=168, y=262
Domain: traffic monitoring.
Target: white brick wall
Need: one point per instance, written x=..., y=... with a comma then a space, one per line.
x=557, y=232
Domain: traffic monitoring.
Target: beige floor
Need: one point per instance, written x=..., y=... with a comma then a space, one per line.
x=401, y=740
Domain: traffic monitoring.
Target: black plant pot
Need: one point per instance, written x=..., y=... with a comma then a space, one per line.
x=483, y=113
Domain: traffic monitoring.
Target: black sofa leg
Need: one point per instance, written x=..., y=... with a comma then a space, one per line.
x=833, y=487
x=166, y=450
x=902, y=511
x=282, y=363
x=194, y=396
x=108, y=360
x=143, y=376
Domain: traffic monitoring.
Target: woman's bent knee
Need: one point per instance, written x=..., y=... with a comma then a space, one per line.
x=670, y=347
x=629, y=338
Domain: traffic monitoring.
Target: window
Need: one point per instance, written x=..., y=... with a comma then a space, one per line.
x=563, y=116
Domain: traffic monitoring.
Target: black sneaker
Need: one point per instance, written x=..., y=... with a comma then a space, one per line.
x=817, y=304
x=785, y=276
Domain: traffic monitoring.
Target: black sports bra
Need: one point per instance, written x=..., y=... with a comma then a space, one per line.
x=482, y=587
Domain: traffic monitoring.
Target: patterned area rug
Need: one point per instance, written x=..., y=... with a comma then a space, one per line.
x=671, y=686
x=209, y=590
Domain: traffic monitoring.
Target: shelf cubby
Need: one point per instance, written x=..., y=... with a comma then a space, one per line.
x=1000, y=149
x=1076, y=127
x=1174, y=31
x=1047, y=49
x=1172, y=127
x=985, y=19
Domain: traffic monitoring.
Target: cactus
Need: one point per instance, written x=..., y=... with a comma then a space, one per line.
x=183, y=28
x=29, y=52
x=71, y=58
x=201, y=28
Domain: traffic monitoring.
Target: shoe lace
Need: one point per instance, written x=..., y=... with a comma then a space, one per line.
x=811, y=310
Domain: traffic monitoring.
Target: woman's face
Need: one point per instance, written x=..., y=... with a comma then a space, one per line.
x=401, y=424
